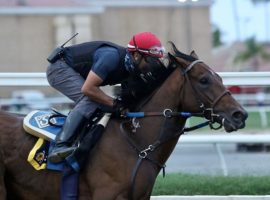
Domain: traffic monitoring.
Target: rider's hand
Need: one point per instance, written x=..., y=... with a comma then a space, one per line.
x=119, y=109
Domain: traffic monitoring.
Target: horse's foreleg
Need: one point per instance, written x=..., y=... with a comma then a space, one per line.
x=2, y=188
x=2, y=182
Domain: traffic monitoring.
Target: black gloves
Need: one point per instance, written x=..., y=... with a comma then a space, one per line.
x=119, y=109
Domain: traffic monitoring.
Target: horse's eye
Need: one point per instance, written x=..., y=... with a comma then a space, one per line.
x=204, y=80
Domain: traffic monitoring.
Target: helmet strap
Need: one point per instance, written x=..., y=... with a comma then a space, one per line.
x=137, y=62
x=137, y=50
x=135, y=44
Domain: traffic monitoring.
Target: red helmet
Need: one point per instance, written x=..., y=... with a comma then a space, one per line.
x=146, y=43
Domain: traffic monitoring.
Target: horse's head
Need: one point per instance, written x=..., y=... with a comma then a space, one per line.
x=210, y=95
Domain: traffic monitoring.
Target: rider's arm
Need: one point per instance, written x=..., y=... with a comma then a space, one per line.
x=91, y=88
x=106, y=59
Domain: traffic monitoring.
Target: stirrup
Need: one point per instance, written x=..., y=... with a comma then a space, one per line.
x=58, y=155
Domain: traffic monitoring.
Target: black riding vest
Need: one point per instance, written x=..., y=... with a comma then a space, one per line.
x=80, y=58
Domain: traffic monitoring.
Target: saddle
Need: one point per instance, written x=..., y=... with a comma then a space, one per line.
x=45, y=125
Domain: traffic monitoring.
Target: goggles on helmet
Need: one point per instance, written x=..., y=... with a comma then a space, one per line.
x=153, y=51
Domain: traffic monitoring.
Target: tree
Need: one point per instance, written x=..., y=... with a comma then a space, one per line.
x=265, y=2
x=236, y=19
x=253, y=50
x=216, y=37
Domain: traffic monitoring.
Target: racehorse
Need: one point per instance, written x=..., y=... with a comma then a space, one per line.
x=127, y=159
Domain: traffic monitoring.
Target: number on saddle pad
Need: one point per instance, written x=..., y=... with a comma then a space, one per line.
x=44, y=124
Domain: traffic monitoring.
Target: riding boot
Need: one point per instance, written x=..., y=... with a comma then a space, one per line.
x=63, y=147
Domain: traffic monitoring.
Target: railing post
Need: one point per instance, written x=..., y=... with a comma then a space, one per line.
x=221, y=159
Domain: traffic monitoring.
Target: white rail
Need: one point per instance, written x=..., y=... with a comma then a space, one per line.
x=245, y=78
x=225, y=139
x=23, y=79
x=229, y=78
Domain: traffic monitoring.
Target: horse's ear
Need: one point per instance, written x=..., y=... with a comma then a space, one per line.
x=171, y=57
x=194, y=55
x=173, y=47
x=172, y=60
x=177, y=60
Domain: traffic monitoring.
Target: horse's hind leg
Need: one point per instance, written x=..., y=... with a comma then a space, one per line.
x=2, y=181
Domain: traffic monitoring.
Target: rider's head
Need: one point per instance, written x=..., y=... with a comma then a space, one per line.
x=147, y=44
x=146, y=51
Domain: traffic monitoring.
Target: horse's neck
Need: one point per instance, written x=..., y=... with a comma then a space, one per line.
x=164, y=130
x=167, y=97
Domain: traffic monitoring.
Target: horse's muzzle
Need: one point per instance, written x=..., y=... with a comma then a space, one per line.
x=235, y=121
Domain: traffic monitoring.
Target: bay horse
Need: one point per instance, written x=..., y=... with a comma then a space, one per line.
x=124, y=164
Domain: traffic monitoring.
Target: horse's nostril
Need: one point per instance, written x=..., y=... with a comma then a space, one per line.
x=239, y=115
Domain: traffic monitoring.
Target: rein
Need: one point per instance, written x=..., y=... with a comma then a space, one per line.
x=143, y=154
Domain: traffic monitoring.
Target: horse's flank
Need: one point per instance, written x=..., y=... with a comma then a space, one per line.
x=21, y=181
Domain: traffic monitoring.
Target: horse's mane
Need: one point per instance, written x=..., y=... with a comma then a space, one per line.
x=134, y=89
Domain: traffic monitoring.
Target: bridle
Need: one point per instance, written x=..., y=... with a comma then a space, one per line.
x=206, y=112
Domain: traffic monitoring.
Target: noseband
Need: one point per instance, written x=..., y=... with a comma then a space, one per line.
x=207, y=112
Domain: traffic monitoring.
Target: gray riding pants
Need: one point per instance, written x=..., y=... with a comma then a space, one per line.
x=69, y=82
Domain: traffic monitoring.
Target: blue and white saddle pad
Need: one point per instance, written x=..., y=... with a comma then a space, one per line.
x=44, y=124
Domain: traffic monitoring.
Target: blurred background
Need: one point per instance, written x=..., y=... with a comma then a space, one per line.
x=230, y=36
